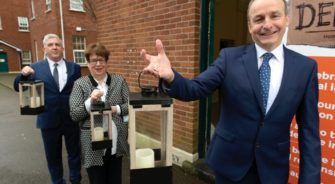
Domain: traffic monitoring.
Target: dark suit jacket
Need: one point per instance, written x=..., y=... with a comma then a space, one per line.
x=57, y=109
x=243, y=134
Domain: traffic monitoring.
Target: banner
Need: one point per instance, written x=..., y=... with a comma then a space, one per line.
x=312, y=32
x=313, y=23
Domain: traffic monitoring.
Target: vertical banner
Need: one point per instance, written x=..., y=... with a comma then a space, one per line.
x=312, y=33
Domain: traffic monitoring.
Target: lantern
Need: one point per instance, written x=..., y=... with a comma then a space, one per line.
x=149, y=165
x=31, y=97
x=101, y=126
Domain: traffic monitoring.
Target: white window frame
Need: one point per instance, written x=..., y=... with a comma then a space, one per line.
x=48, y=5
x=32, y=9
x=0, y=23
x=77, y=5
x=26, y=57
x=82, y=44
x=79, y=60
x=23, y=24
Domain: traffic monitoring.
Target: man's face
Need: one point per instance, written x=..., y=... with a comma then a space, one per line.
x=267, y=23
x=53, y=49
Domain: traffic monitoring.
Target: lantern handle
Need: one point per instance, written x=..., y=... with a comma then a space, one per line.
x=148, y=89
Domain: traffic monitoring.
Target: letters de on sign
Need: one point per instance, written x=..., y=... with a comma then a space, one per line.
x=312, y=22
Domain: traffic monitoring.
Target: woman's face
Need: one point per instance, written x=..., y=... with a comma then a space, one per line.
x=97, y=66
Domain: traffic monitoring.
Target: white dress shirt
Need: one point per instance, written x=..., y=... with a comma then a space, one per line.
x=277, y=68
x=62, y=72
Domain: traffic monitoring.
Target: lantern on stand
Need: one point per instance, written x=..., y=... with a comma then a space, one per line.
x=101, y=126
x=151, y=165
x=31, y=97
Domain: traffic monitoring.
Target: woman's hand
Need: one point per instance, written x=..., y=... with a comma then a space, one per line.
x=114, y=109
x=96, y=95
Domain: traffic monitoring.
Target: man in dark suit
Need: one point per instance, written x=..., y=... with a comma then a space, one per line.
x=262, y=87
x=58, y=76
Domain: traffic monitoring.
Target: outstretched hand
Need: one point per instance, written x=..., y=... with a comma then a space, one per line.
x=159, y=65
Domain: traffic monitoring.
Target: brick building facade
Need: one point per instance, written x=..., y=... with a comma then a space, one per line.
x=72, y=20
x=126, y=27
x=14, y=37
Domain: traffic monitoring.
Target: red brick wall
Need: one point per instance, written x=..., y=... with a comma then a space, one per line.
x=50, y=22
x=10, y=10
x=127, y=26
x=43, y=23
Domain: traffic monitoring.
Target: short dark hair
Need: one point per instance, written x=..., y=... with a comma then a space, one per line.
x=252, y=1
x=98, y=49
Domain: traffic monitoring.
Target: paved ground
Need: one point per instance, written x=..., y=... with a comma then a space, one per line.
x=22, y=159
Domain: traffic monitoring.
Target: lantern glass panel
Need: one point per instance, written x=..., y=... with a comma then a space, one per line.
x=101, y=126
x=31, y=97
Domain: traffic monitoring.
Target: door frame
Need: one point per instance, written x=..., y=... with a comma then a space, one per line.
x=5, y=65
x=207, y=19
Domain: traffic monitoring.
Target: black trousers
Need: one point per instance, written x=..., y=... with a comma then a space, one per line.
x=109, y=173
x=52, y=139
x=250, y=178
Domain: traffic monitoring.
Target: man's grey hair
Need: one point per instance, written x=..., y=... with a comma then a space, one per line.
x=252, y=1
x=49, y=36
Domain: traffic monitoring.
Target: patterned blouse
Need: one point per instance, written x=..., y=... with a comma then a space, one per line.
x=117, y=94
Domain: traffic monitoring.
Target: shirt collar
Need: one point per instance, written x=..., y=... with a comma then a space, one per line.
x=52, y=63
x=277, y=52
x=103, y=81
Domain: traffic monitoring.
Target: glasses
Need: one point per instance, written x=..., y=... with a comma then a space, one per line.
x=102, y=61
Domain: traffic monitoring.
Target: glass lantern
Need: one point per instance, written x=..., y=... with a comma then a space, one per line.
x=31, y=97
x=101, y=126
x=149, y=164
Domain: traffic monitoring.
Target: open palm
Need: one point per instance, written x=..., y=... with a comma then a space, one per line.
x=158, y=65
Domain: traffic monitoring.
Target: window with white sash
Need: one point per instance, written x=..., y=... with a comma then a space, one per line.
x=77, y=5
x=48, y=5
x=26, y=57
x=79, y=46
x=23, y=23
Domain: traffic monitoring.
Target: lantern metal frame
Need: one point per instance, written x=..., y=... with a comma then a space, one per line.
x=162, y=171
x=101, y=109
x=34, y=104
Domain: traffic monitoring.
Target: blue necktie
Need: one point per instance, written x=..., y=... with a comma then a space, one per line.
x=264, y=76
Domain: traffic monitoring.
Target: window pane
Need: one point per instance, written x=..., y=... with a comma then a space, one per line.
x=79, y=44
x=76, y=5
x=79, y=57
x=26, y=57
x=0, y=23
x=48, y=4
x=23, y=23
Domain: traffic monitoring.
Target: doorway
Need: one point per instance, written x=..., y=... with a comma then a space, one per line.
x=3, y=62
x=226, y=27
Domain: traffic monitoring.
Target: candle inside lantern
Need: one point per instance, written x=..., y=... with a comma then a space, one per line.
x=35, y=102
x=38, y=101
x=98, y=134
x=145, y=158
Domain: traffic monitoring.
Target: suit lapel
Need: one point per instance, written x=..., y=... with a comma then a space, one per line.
x=250, y=63
x=289, y=65
x=45, y=70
